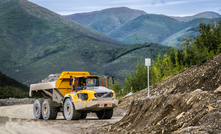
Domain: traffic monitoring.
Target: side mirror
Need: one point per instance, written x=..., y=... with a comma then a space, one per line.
x=112, y=79
x=70, y=79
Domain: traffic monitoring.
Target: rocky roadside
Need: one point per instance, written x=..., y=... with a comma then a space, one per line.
x=15, y=101
x=189, y=102
x=195, y=112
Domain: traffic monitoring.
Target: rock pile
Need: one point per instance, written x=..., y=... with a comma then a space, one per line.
x=14, y=101
x=50, y=78
x=198, y=111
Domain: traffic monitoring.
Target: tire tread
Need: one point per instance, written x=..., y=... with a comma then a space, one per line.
x=53, y=110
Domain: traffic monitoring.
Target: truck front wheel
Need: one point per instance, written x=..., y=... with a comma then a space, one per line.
x=48, y=111
x=37, y=110
x=105, y=114
x=69, y=111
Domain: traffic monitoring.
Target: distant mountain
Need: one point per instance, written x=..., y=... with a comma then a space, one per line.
x=146, y=28
x=188, y=29
x=36, y=42
x=158, y=29
x=106, y=20
x=140, y=27
x=207, y=15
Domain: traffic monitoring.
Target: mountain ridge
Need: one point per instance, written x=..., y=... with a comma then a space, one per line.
x=113, y=17
x=147, y=31
x=144, y=29
x=206, y=14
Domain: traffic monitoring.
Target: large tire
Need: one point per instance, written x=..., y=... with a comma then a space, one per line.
x=69, y=111
x=37, y=109
x=83, y=115
x=48, y=111
x=105, y=114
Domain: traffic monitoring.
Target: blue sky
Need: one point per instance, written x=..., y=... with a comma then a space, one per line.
x=166, y=7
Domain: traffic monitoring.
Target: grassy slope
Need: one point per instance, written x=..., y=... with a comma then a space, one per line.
x=146, y=28
x=36, y=42
x=106, y=20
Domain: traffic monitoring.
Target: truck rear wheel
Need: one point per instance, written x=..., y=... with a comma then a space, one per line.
x=48, y=111
x=105, y=114
x=37, y=109
x=83, y=115
x=69, y=111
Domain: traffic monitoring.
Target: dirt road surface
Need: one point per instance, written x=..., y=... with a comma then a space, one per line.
x=19, y=119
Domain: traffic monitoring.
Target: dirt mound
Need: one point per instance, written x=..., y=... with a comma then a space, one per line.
x=198, y=111
x=184, y=103
x=206, y=77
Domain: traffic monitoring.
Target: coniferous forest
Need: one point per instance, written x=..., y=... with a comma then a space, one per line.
x=11, y=88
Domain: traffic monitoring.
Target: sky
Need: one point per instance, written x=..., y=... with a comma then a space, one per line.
x=166, y=7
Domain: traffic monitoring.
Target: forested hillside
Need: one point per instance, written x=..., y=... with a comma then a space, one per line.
x=36, y=42
x=11, y=88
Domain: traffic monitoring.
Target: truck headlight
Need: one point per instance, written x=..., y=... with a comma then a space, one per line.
x=83, y=96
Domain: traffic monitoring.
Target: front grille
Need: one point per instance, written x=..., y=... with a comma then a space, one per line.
x=110, y=95
x=105, y=95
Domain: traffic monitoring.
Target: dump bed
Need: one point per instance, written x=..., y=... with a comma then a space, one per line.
x=41, y=86
x=62, y=84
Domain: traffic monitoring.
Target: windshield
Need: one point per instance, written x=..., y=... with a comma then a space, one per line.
x=92, y=81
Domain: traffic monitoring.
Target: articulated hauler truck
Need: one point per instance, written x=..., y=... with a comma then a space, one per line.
x=74, y=94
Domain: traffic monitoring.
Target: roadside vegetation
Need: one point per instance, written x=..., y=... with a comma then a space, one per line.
x=12, y=88
x=193, y=51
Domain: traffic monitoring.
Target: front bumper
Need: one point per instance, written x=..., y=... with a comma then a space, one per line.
x=96, y=105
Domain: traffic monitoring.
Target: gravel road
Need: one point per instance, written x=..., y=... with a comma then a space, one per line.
x=19, y=119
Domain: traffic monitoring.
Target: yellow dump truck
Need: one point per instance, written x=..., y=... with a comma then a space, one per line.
x=74, y=94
